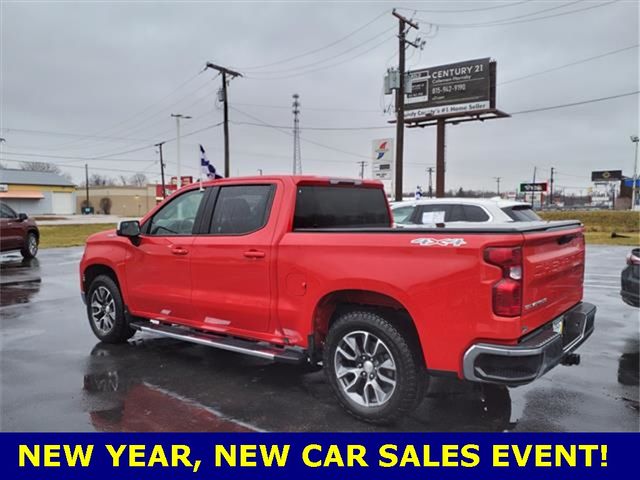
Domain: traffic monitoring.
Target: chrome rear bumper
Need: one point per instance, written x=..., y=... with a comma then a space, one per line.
x=536, y=354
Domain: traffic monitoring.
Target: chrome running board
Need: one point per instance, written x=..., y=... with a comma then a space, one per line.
x=231, y=344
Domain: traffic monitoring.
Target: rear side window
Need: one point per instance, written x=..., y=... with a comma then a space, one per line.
x=340, y=207
x=402, y=214
x=473, y=213
x=241, y=209
x=435, y=213
x=521, y=213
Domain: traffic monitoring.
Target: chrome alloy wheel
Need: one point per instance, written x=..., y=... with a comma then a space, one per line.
x=103, y=309
x=365, y=369
x=32, y=245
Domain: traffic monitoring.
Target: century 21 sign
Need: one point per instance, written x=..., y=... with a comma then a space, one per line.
x=449, y=89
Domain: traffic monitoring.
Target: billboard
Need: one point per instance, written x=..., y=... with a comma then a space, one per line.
x=382, y=159
x=606, y=176
x=449, y=89
x=533, y=187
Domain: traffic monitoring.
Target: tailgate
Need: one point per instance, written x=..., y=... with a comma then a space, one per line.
x=553, y=264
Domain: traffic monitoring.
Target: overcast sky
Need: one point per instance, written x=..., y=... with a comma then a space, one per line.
x=119, y=69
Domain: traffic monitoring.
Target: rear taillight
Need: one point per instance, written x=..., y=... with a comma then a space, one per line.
x=507, y=292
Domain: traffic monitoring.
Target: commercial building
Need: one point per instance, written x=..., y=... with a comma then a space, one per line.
x=37, y=193
x=124, y=201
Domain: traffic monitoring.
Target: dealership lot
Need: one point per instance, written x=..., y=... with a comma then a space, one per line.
x=55, y=376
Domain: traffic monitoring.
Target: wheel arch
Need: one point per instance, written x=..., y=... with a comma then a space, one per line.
x=94, y=270
x=35, y=231
x=335, y=303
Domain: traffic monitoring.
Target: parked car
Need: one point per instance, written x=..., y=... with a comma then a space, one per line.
x=18, y=232
x=309, y=269
x=630, y=279
x=428, y=211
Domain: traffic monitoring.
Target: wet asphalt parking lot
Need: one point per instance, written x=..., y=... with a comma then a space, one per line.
x=56, y=376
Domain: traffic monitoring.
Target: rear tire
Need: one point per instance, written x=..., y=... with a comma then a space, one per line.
x=30, y=249
x=106, y=313
x=375, y=373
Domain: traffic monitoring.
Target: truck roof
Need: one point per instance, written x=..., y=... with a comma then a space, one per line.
x=501, y=203
x=298, y=179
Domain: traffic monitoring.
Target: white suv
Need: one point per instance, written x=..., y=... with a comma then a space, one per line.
x=430, y=211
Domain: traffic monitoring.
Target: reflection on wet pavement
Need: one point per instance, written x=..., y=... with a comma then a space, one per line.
x=160, y=384
x=56, y=377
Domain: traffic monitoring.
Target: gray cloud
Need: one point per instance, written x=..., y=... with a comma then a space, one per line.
x=85, y=67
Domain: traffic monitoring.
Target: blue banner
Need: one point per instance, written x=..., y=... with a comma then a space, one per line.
x=308, y=456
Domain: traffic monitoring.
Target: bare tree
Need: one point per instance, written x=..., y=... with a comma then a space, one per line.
x=40, y=167
x=97, y=180
x=138, y=179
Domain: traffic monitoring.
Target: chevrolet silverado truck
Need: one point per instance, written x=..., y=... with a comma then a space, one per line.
x=310, y=270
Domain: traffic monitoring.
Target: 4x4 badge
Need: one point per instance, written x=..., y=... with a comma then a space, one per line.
x=443, y=242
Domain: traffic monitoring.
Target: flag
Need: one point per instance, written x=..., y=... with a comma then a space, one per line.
x=207, y=170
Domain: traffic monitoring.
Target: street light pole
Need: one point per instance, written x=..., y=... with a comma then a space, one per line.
x=178, y=116
x=634, y=189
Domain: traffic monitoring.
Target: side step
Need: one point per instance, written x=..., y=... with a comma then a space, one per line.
x=231, y=344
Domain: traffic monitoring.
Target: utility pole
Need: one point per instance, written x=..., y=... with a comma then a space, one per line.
x=164, y=189
x=297, y=159
x=497, y=179
x=430, y=172
x=178, y=116
x=634, y=189
x=551, y=186
x=225, y=99
x=362, y=163
x=260, y=171
x=86, y=183
x=402, y=23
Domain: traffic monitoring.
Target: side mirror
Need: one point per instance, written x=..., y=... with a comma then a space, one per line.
x=22, y=217
x=128, y=228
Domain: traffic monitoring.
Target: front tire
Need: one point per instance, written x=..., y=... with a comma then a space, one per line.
x=106, y=312
x=375, y=373
x=30, y=249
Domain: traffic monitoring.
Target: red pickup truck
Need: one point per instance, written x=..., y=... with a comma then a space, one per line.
x=309, y=270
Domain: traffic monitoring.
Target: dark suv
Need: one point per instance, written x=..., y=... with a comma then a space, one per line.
x=630, y=279
x=18, y=232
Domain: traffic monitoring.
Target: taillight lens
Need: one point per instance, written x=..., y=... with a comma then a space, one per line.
x=507, y=293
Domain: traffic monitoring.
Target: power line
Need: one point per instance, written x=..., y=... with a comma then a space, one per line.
x=140, y=112
x=577, y=62
x=325, y=67
x=328, y=59
x=523, y=18
x=584, y=102
x=285, y=132
x=330, y=129
x=479, y=9
x=70, y=157
x=321, y=109
x=310, y=52
x=65, y=165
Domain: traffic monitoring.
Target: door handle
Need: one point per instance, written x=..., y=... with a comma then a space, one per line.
x=179, y=251
x=254, y=254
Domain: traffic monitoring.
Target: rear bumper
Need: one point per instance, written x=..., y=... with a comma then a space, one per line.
x=630, y=285
x=536, y=354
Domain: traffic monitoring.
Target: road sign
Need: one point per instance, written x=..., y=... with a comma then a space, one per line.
x=606, y=176
x=382, y=159
x=629, y=182
x=533, y=187
x=449, y=89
